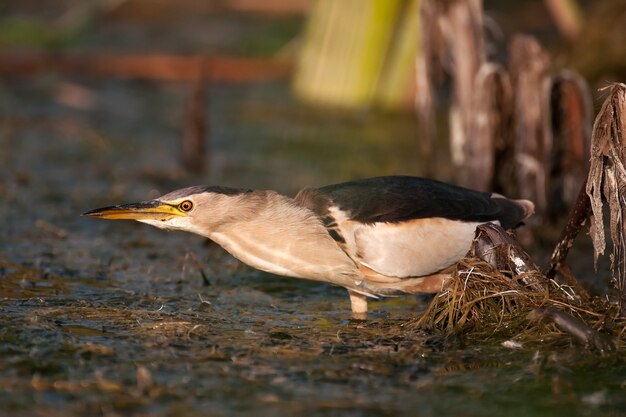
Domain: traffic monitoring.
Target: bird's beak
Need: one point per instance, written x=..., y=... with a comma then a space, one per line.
x=150, y=210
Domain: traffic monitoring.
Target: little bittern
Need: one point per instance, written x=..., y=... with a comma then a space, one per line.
x=375, y=237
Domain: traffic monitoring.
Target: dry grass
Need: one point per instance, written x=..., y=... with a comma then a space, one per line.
x=491, y=303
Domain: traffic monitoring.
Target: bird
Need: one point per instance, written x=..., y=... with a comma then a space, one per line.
x=376, y=237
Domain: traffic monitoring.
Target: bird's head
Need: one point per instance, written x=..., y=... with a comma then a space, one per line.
x=198, y=209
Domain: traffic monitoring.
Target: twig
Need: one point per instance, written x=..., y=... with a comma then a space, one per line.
x=570, y=279
x=154, y=67
x=575, y=220
x=196, y=127
x=575, y=327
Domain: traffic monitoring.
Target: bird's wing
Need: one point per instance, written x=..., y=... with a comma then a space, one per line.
x=407, y=226
x=397, y=199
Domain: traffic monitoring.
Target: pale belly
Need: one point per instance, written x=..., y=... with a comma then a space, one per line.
x=412, y=249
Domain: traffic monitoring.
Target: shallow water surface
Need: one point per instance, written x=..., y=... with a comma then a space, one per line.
x=116, y=318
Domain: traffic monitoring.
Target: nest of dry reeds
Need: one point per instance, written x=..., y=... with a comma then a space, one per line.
x=489, y=303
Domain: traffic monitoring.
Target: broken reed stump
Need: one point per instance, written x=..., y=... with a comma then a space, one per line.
x=497, y=290
x=452, y=42
x=607, y=183
x=462, y=28
x=487, y=159
x=571, y=118
x=570, y=122
x=427, y=63
x=529, y=68
x=518, y=131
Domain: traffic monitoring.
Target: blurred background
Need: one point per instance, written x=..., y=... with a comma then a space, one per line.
x=285, y=94
x=111, y=101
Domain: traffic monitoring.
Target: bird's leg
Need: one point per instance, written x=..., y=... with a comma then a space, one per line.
x=359, y=305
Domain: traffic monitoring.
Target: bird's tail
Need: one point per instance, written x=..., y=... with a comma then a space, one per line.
x=527, y=206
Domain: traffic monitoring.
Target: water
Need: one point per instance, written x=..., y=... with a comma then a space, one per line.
x=115, y=318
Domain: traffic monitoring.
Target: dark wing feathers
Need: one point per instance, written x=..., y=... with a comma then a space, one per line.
x=400, y=198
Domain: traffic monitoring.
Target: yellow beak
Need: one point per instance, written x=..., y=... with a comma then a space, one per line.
x=151, y=210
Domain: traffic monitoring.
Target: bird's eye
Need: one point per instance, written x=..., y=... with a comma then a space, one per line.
x=185, y=205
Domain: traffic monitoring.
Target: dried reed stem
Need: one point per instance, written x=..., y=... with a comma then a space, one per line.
x=575, y=220
x=607, y=178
